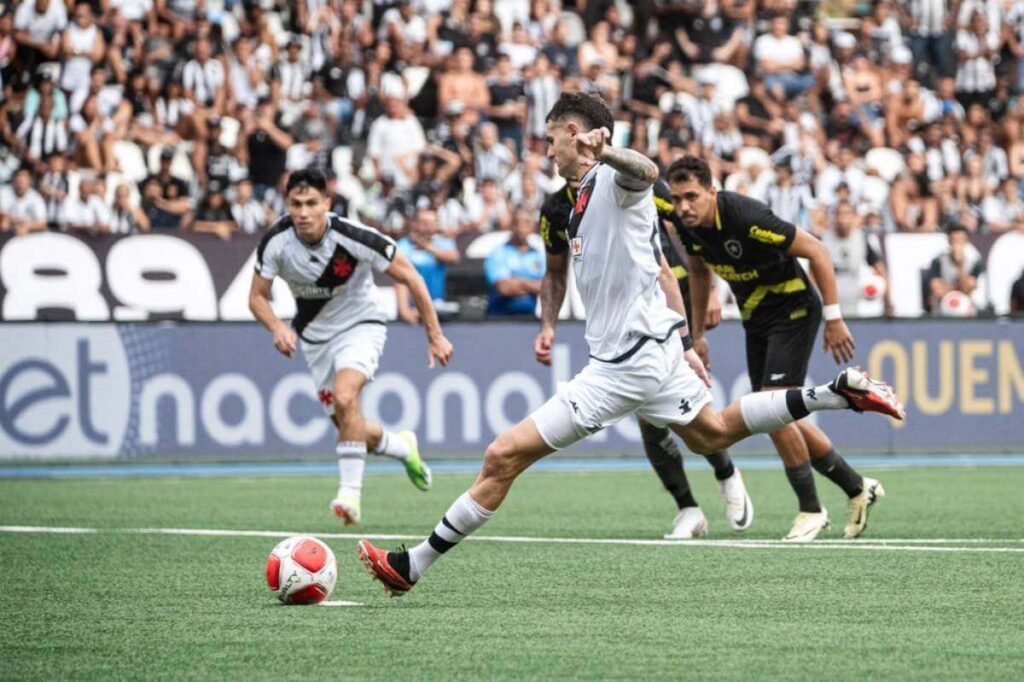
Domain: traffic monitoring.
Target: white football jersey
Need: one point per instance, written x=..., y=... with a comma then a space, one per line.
x=616, y=257
x=332, y=281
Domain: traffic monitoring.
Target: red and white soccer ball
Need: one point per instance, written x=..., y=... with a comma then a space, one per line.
x=956, y=304
x=302, y=570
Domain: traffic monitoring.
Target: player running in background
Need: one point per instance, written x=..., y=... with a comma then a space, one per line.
x=638, y=364
x=328, y=263
x=661, y=449
x=756, y=252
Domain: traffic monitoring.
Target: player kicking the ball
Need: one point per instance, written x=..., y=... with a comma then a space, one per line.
x=756, y=252
x=660, y=447
x=327, y=262
x=637, y=363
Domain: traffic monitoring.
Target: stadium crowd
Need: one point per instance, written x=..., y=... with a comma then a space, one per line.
x=848, y=118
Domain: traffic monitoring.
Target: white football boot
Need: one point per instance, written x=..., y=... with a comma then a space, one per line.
x=807, y=526
x=738, y=507
x=690, y=523
x=858, y=508
x=346, y=507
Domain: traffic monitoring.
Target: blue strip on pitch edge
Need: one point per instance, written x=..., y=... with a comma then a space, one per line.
x=200, y=470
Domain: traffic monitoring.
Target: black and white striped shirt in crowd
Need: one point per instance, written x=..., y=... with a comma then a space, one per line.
x=541, y=93
x=929, y=15
x=43, y=137
x=332, y=281
x=293, y=77
x=976, y=72
x=792, y=203
x=203, y=80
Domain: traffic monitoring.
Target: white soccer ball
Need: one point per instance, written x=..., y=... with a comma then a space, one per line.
x=956, y=304
x=302, y=570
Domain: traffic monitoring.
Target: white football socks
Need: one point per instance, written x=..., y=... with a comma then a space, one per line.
x=462, y=519
x=351, y=463
x=771, y=410
x=394, y=446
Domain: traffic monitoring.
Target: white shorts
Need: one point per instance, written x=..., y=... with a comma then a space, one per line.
x=656, y=384
x=358, y=348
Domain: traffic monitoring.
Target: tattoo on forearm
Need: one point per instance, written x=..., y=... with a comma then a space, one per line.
x=552, y=293
x=635, y=170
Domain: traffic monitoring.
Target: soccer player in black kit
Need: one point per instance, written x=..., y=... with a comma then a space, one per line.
x=756, y=252
x=659, y=446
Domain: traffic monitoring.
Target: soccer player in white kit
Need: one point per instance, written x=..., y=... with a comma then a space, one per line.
x=637, y=363
x=328, y=263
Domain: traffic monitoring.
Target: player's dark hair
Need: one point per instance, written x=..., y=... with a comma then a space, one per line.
x=954, y=227
x=590, y=110
x=313, y=178
x=688, y=168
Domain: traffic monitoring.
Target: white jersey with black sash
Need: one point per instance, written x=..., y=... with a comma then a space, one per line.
x=332, y=281
x=616, y=258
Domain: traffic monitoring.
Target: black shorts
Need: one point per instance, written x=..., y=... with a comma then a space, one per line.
x=778, y=356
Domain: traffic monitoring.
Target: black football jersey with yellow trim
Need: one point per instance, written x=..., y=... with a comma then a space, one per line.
x=747, y=247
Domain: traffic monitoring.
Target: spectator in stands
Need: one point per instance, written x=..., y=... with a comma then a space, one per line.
x=264, y=147
x=977, y=50
x=955, y=270
x=37, y=31
x=85, y=212
x=508, y=102
x=711, y=36
x=914, y=205
x=396, y=139
x=247, y=211
x=1004, y=211
x=494, y=161
x=794, y=203
x=759, y=117
x=54, y=186
x=488, y=210
x=929, y=24
x=126, y=217
x=162, y=213
x=290, y=82
x=22, y=209
x=542, y=91
x=515, y=271
x=781, y=61
x=560, y=54
x=855, y=254
x=82, y=49
x=431, y=252
x=214, y=214
x=43, y=134
x=462, y=84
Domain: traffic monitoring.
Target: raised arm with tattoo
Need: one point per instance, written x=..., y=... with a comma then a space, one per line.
x=634, y=170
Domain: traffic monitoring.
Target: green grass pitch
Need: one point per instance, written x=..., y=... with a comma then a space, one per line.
x=115, y=605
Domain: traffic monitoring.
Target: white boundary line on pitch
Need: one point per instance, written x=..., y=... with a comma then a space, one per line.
x=881, y=545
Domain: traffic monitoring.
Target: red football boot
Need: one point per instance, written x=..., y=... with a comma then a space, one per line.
x=866, y=394
x=390, y=568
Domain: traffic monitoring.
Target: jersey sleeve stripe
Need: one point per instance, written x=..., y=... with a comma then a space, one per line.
x=280, y=227
x=366, y=236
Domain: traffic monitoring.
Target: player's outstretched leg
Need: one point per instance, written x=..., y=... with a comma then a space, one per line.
x=862, y=491
x=771, y=410
x=402, y=446
x=508, y=456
